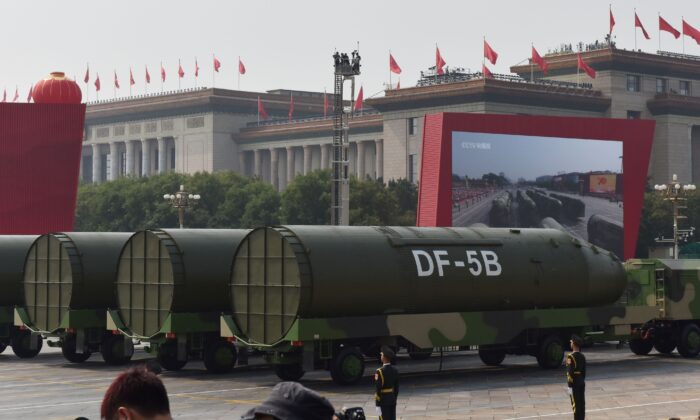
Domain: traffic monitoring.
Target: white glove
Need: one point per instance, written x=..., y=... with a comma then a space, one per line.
x=379, y=411
x=569, y=391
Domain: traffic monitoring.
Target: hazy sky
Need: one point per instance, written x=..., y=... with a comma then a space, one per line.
x=288, y=44
x=529, y=157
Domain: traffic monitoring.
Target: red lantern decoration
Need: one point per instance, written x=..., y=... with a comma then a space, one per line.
x=57, y=89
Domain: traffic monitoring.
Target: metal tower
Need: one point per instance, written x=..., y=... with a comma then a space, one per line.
x=346, y=68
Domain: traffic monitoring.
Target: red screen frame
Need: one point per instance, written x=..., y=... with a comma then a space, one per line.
x=435, y=189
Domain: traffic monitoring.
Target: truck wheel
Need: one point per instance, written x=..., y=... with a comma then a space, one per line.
x=551, y=352
x=641, y=347
x=348, y=366
x=664, y=345
x=21, y=343
x=289, y=372
x=689, y=341
x=167, y=356
x=69, y=350
x=116, y=349
x=3, y=346
x=492, y=357
x=219, y=356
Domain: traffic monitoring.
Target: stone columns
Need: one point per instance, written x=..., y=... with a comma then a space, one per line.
x=115, y=158
x=379, y=146
x=145, y=157
x=360, y=160
x=257, y=164
x=130, y=170
x=290, y=164
x=96, y=164
x=274, y=168
x=325, y=149
x=241, y=163
x=162, y=155
x=307, y=159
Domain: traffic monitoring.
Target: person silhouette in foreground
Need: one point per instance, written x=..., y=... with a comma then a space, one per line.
x=136, y=394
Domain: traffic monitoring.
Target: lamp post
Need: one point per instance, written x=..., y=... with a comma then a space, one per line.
x=182, y=200
x=677, y=194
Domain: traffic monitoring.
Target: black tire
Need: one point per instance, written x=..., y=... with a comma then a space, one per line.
x=664, y=345
x=219, y=356
x=3, y=346
x=116, y=349
x=689, y=341
x=348, y=366
x=69, y=350
x=289, y=372
x=641, y=347
x=550, y=353
x=167, y=356
x=21, y=342
x=492, y=357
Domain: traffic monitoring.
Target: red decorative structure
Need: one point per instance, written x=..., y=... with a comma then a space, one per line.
x=40, y=148
x=57, y=89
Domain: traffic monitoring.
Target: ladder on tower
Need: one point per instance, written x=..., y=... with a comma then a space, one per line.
x=660, y=280
x=337, y=160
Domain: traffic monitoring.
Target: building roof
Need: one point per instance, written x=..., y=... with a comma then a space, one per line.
x=492, y=90
x=195, y=101
x=313, y=127
x=660, y=64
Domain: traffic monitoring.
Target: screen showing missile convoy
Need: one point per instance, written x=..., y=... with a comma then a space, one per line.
x=575, y=185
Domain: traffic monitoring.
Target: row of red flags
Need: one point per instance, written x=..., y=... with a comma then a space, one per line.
x=688, y=30
x=180, y=72
x=262, y=113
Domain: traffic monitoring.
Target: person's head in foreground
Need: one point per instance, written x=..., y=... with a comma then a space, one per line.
x=136, y=394
x=291, y=401
x=576, y=342
x=387, y=354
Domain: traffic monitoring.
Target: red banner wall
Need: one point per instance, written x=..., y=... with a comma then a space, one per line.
x=40, y=152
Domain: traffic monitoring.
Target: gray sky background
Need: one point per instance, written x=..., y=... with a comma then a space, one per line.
x=288, y=44
x=529, y=157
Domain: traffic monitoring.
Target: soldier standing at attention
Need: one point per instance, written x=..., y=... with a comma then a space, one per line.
x=576, y=377
x=386, y=381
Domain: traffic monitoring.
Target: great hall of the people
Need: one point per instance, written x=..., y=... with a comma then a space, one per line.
x=218, y=129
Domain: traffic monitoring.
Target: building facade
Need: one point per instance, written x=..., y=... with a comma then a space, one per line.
x=217, y=129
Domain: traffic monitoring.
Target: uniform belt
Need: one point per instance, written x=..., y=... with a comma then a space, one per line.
x=387, y=390
x=577, y=373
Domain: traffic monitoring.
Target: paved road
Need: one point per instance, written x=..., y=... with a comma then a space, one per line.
x=594, y=205
x=477, y=212
x=620, y=385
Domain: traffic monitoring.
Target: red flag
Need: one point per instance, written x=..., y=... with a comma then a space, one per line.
x=148, y=76
x=162, y=72
x=4, y=95
x=358, y=102
x=116, y=80
x=29, y=95
x=489, y=53
x=291, y=107
x=585, y=67
x=217, y=64
x=439, y=62
x=325, y=104
x=537, y=59
x=16, y=94
x=180, y=70
x=261, y=110
x=665, y=26
x=393, y=65
x=398, y=84
x=638, y=24
x=612, y=21
x=487, y=73
x=241, y=67
x=132, y=82
x=691, y=32
x=87, y=75
x=196, y=68
x=97, y=83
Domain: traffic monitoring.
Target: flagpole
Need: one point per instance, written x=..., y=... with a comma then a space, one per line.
x=213, y=71
x=683, y=35
x=436, y=64
x=131, y=76
x=146, y=84
x=161, y=77
x=239, y=72
x=659, y=30
x=87, y=86
x=635, y=29
x=483, y=59
x=532, y=71
x=390, y=85
x=179, y=65
x=196, y=76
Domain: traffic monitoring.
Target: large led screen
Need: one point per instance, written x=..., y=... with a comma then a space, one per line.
x=575, y=185
x=583, y=175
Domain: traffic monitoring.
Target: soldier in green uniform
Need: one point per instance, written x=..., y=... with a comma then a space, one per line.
x=386, y=380
x=576, y=377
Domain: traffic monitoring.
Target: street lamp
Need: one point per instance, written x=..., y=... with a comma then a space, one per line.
x=677, y=194
x=182, y=200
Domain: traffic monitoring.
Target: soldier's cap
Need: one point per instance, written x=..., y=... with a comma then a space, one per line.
x=388, y=352
x=293, y=401
x=577, y=340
